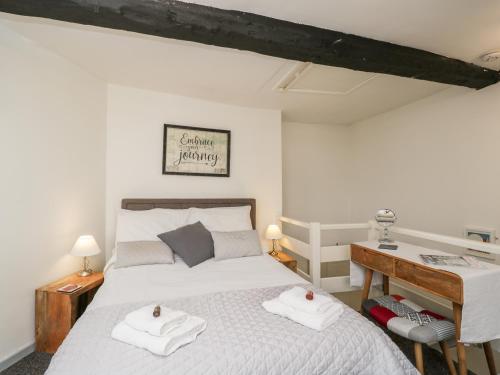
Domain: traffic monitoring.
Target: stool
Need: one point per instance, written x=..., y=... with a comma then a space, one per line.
x=407, y=319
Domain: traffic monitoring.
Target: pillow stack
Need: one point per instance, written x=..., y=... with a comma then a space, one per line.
x=195, y=234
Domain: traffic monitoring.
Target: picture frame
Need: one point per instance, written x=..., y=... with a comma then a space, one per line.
x=196, y=151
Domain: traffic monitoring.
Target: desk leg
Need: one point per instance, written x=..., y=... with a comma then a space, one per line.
x=462, y=361
x=367, y=285
x=385, y=284
x=489, y=358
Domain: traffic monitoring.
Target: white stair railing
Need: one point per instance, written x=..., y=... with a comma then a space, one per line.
x=317, y=254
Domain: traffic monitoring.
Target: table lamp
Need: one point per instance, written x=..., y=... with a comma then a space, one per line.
x=273, y=232
x=85, y=246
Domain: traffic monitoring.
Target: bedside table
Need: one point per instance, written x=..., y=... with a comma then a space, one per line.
x=56, y=312
x=286, y=260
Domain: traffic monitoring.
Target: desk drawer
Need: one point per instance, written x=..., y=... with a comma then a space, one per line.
x=376, y=261
x=442, y=283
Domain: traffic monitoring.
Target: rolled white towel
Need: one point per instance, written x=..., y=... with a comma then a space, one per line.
x=161, y=345
x=318, y=321
x=296, y=298
x=143, y=320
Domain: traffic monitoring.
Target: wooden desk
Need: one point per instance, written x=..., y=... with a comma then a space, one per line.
x=441, y=283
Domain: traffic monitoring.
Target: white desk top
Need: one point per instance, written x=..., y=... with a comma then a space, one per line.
x=412, y=253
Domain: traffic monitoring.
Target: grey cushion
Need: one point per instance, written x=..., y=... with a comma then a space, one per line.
x=193, y=243
x=236, y=244
x=138, y=253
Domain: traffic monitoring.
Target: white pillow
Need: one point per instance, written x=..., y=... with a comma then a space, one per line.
x=146, y=225
x=222, y=219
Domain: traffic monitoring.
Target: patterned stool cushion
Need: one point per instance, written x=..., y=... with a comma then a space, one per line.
x=409, y=320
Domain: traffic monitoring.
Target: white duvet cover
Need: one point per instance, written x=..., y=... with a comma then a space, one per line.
x=171, y=281
x=241, y=337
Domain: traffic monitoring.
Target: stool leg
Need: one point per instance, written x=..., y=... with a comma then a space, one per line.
x=447, y=356
x=419, y=358
x=489, y=358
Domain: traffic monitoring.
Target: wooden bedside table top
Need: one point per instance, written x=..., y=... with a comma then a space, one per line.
x=87, y=283
x=286, y=260
x=283, y=257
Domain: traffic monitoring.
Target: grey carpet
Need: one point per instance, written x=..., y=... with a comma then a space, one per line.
x=434, y=362
x=37, y=363
x=33, y=364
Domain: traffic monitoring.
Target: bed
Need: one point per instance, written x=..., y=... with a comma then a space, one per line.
x=241, y=337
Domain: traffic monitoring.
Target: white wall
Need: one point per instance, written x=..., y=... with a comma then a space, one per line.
x=316, y=186
x=436, y=162
x=134, y=152
x=52, y=136
x=315, y=172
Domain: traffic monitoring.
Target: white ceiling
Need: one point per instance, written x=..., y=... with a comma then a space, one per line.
x=458, y=28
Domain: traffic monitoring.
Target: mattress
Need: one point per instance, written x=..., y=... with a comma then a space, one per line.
x=241, y=337
x=172, y=281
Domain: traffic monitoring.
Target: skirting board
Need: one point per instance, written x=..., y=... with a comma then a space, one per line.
x=17, y=356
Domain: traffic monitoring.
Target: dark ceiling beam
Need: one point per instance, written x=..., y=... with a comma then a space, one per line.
x=264, y=35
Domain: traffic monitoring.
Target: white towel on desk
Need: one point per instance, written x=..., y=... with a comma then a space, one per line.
x=143, y=320
x=296, y=298
x=184, y=334
x=317, y=321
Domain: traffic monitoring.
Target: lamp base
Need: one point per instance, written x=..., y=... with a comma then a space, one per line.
x=86, y=269
x=273, y=252
x=385, y=237
x=85, y=273
x=386, y=240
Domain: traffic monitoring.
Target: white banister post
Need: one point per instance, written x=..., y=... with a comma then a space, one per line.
x=279, y=223
x=315, y=261
x=373, y=232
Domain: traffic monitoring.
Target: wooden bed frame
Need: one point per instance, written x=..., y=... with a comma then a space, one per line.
x=141, y=204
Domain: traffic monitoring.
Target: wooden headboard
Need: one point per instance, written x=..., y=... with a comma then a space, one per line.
x=148, y=204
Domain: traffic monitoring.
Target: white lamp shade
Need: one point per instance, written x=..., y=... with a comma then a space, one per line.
x=85, y=246
x=273, y=232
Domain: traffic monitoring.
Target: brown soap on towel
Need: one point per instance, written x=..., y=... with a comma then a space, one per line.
x=310, y=295
x=157, y=311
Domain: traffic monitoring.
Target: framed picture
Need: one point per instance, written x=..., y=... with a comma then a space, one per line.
x=196, y=151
